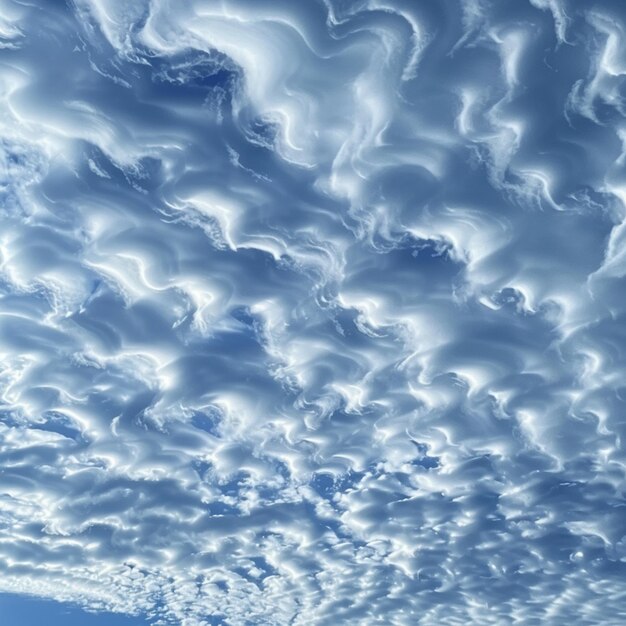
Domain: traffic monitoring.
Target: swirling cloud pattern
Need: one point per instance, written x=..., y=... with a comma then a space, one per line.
x=312, y=312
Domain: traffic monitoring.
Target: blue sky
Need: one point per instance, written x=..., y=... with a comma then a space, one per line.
x=18, y=610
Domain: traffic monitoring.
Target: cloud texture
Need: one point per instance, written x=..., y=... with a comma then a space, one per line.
x=313, y=312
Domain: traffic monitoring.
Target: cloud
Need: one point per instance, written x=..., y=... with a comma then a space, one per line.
x=311, y=312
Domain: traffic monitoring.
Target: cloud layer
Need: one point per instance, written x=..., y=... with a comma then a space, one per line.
x=312, y=312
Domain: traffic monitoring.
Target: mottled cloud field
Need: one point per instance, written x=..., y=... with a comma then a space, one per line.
x=312, y=312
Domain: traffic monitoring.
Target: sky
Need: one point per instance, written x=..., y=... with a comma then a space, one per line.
x=312, y=313
x=31, y=611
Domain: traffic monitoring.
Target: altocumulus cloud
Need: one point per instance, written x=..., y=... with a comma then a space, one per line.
x=313, y=312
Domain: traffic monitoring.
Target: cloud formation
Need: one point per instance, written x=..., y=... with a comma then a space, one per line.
x=312, y=312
